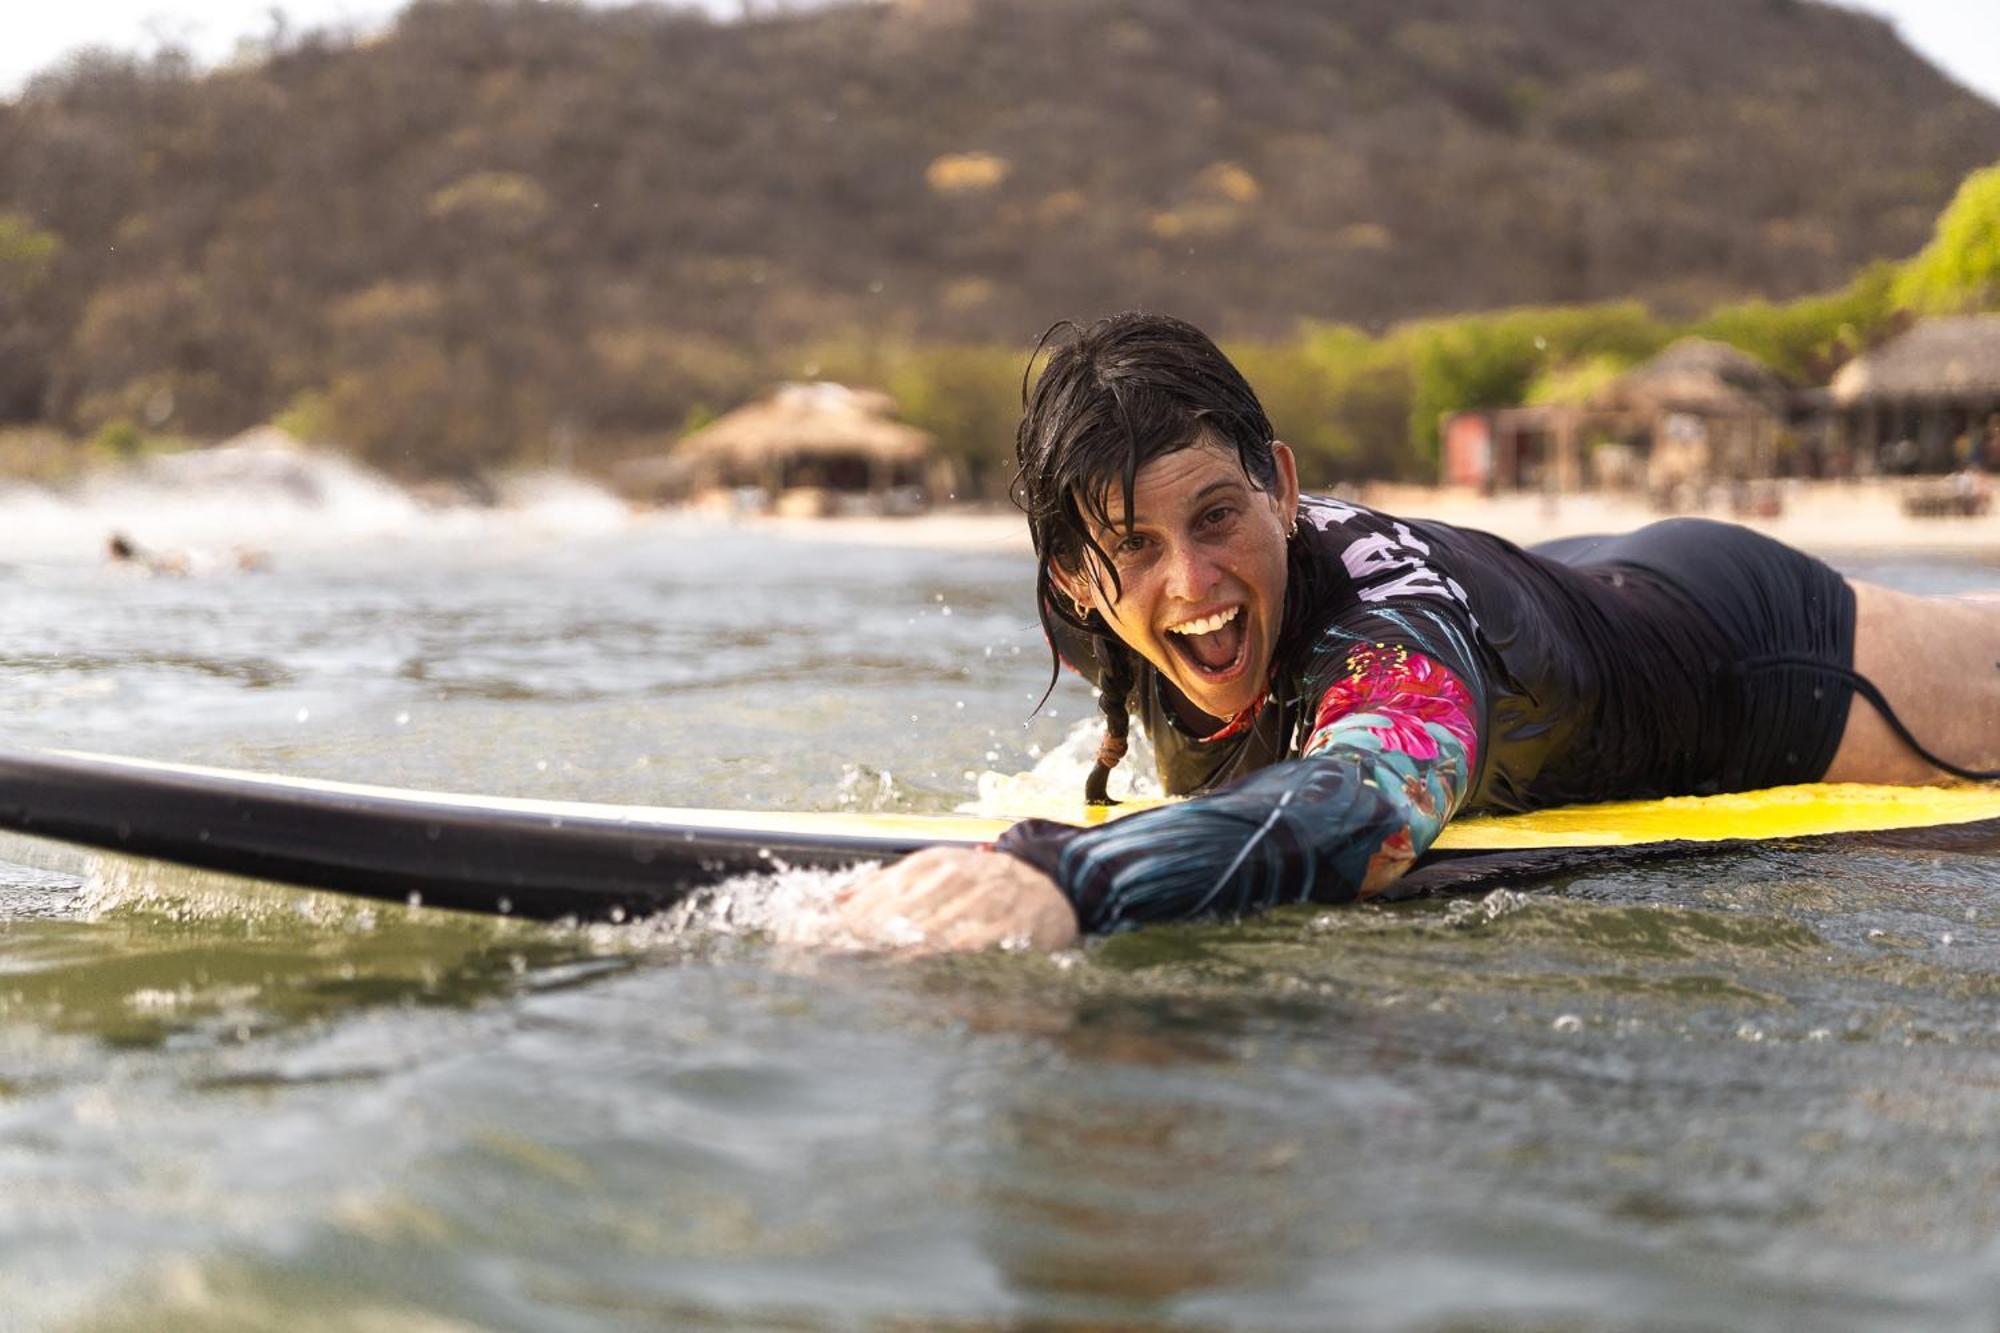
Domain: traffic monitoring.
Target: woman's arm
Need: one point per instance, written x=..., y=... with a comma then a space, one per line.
x=1390, y=759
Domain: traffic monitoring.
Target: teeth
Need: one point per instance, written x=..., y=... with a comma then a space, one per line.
x=1207, y=624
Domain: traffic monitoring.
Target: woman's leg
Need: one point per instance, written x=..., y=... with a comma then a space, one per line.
x=1937, y=660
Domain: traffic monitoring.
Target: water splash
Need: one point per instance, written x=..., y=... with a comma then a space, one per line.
x=1053, y=788
x=792, y=907
x=868, y=790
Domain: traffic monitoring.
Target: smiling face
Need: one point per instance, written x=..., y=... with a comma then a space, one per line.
x=1200, y=587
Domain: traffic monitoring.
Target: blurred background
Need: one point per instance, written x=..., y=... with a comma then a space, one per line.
x=1544, y=248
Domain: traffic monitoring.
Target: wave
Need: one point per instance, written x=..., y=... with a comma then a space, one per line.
x=264, y=491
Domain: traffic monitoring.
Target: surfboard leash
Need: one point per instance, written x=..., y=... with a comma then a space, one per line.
x=1867, y=689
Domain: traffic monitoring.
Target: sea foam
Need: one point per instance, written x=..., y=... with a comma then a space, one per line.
x=265, y=492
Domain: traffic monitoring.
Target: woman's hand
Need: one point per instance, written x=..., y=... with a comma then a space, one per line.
x=948, y=899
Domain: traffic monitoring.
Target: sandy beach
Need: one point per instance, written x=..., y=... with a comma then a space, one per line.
x=1815, y=516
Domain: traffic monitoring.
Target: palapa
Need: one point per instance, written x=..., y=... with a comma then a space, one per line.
x=1698, y=376
x=1955, y=358
x=805, y=421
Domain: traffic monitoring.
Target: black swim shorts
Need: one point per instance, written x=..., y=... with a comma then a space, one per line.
x=1758, y=618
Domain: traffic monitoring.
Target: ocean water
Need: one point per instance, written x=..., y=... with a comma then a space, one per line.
x=1748, y=1090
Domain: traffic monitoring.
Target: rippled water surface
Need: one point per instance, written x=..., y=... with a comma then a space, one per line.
x=1743, y=1091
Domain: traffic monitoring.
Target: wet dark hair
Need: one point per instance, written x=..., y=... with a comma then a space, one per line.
x=1114, y=396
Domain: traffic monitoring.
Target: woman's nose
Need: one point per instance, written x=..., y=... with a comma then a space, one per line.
x=1190, y=573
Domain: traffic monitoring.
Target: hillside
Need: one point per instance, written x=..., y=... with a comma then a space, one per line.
x=590, y=220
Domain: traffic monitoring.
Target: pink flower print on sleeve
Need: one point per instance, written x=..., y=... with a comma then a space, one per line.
x=1402, y=699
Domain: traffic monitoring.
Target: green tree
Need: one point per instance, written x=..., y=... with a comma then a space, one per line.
x=27, y=253
x=969, y=397
x=1959, y=271
x=1491, y=360
x=1300, y=387
x=1808, y=339
x=28, y=329
x=1576, y=381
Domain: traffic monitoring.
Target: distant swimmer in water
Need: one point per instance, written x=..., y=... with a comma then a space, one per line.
x=122, y=550
x=1332, y=684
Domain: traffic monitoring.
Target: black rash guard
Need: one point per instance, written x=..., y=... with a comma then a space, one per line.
x=1598, y=668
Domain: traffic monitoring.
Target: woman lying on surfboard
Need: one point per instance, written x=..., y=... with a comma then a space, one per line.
x=1333, y=684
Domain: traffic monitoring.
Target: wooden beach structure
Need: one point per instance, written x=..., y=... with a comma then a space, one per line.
x=1924, y=403
x=807, y=449
x=1699, y=411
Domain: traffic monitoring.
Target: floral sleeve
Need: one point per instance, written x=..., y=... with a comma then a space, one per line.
x=1410, y=722
x=1390, y=757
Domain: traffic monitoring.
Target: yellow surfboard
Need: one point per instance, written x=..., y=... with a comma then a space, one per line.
x=1808, y=810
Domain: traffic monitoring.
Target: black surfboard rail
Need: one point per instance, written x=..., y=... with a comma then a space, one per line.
x=398, y=848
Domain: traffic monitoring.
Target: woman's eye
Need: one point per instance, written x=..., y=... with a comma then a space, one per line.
x=1219, y=514
x=1129, y=545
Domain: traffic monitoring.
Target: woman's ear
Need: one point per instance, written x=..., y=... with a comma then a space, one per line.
x=1071, y=584
x=1287, y=489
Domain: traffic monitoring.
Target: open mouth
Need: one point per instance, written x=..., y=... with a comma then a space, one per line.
x=1213, y=645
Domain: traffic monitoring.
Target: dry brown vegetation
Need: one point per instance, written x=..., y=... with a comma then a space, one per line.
x=508, y=223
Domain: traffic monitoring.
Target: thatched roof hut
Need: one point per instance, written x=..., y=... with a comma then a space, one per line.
x=816, y=441
x=1698, y=376
x=1699, y=411
x=803, y=424
x=1954, y=359
x=1926, y=401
